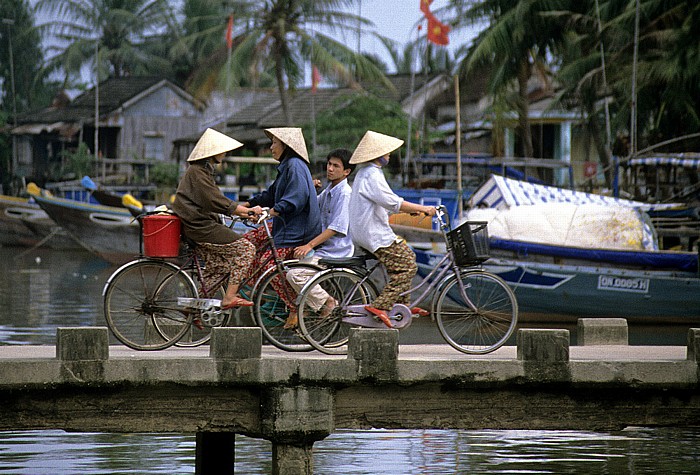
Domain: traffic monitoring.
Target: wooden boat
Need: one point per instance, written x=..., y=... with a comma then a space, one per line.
x=109, y=232
x=13, y=231
x=24, y=223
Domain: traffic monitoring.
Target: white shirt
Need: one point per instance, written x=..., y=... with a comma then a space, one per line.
x=371, y=203
x=334, y=203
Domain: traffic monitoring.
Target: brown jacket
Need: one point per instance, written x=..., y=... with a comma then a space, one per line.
x=199, y=201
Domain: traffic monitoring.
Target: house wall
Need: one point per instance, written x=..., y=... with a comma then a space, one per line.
x=163, y=114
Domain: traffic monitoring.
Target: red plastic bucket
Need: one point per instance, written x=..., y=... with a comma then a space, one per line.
x=161, y=235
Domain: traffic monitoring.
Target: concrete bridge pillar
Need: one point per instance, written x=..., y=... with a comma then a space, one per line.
x=215, y=452
x=293, y=419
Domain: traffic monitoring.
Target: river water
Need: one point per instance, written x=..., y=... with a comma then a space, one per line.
x=41, y=290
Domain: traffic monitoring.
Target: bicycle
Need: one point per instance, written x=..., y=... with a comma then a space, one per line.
x=152, y=303
x=475, y=311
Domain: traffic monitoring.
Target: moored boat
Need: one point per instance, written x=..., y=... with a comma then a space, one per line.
x=13, y=231
x=111, y=233
x=569, y=255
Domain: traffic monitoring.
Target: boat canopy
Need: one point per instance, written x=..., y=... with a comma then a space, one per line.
x=690, y=160
x=503, y=193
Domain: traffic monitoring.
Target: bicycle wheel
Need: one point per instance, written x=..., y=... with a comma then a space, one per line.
x=141, y=304
x=328, y=333
x=271, y=311
x=482, y=330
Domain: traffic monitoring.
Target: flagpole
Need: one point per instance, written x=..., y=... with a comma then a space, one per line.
x=410, y=116
x=458, y=142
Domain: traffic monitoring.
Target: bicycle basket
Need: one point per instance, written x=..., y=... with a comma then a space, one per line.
x=469, y=243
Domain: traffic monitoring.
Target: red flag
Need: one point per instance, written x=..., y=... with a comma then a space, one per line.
x=315, y=78
x=425, y=6
x=437, y=32
x=229, y=31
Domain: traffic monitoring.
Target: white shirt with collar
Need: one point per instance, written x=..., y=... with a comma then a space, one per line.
x=371, y=203
x=334, y=204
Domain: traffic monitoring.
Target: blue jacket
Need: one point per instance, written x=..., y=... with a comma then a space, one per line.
x=293, y=196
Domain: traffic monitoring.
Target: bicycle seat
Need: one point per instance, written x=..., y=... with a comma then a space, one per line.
x=352, y=261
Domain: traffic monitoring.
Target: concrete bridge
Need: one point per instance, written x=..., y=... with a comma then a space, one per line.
x=237, y=385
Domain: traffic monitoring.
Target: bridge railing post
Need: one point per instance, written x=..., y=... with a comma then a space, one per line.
x=376, y=352
x=545, y=354
x=693, y=352
x=82, y=344
x=602, y=331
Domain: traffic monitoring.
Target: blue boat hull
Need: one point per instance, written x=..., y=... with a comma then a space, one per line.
x=548, y=291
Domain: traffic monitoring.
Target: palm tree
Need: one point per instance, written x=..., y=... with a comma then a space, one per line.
x=517, y=42
x=283, y=35
x=127, y=32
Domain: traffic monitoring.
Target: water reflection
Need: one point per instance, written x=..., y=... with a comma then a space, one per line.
x=45, y=289
x=376, y=452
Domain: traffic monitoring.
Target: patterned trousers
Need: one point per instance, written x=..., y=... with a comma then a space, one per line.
x=258, y=237
x=233, y=258
x=399, y=260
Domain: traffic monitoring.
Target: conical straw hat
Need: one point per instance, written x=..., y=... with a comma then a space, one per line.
x=292, y=137
x=374, y=145
x=212, y=143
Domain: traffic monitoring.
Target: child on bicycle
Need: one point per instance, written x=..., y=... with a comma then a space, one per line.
x=334, y=240
x=371, y=202
x=199, y=203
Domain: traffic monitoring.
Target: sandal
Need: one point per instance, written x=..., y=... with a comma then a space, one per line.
x=237, y=302
x=328, y=307
x=292, y=321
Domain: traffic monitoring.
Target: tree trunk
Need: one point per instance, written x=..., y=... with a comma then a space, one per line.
x=279, y=75
x=603, y=150
x=524, y=113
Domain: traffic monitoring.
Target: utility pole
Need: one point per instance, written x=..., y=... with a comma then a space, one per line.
x=10, y=23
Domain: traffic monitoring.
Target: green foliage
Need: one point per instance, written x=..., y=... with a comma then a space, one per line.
x=164, y=174
x=344, y=124
x=78, y=162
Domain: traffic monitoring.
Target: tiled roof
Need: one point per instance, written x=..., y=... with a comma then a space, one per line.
x=114, y=93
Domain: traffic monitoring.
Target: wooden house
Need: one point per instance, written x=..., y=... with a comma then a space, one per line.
x=138, y=118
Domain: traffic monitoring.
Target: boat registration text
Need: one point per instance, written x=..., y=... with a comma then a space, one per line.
x=623, y=284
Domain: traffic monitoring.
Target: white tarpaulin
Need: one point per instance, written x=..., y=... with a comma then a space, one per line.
x=501, y=193
x=592, y=226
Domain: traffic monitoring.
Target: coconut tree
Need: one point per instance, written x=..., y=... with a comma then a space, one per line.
x=517, y=42
x=284, y=35
x=124, y=35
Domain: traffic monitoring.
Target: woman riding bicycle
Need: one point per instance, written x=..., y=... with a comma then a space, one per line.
x=371, y=202
x=199, y=203
x=292, y=202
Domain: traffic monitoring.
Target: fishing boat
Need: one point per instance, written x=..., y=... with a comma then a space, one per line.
x=568, y=255
x=24, y=223
x=109, y=232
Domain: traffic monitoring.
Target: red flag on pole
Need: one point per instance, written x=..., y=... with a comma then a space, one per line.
x=315, y=78
x=229, y=32
x=437, y=32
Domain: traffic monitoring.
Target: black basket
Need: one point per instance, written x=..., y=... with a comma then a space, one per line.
x=469, y=243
